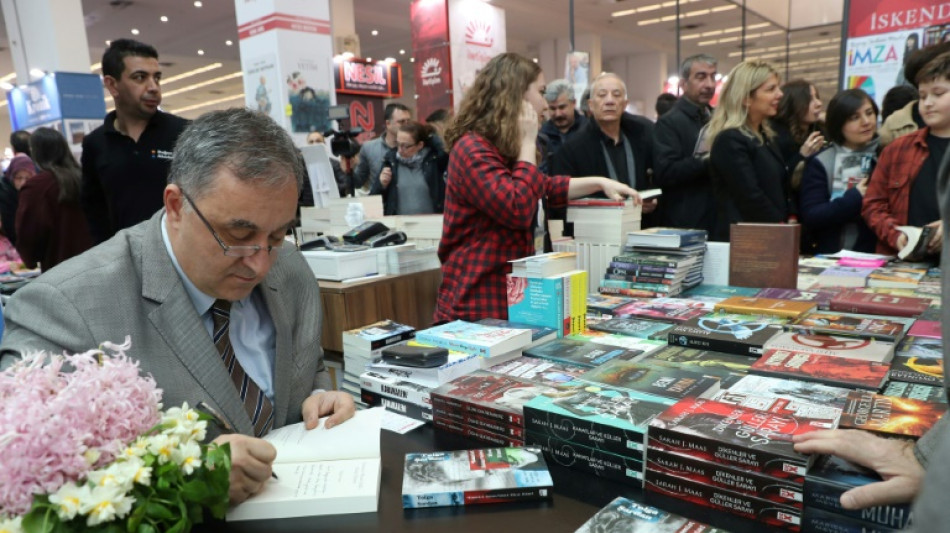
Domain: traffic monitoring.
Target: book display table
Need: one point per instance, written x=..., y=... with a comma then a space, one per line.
x=406, y=298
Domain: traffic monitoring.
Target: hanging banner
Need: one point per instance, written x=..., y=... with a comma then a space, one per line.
x=430, y=48
x=356, y=76
x=477, y=32
x=881, y=34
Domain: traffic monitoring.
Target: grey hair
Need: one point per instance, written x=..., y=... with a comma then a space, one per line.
x=688, y=63
x=556, y=88
x=605, y=75
x=248, y=143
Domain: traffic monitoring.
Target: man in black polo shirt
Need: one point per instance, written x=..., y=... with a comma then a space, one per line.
x=125, y=161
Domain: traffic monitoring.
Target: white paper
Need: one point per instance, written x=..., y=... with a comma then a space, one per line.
x=398, y=423
x=357, y=438
x=716, y=264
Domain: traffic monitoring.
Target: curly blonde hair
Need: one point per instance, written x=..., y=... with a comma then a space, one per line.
x=492, y=105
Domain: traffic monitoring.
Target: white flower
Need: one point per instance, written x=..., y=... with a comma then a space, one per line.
x=68, y=500
x=137, y=449
x=105, y=504
x=162, y=447
x=91, y=456
x=11, y=525
x=119, y=474
x=184, y=423
x=188, y=457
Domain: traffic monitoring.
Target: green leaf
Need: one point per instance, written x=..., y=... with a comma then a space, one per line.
x=157, y=511
x=40, y=520
x=196, y=491
x=179, y=527
x=146, y=528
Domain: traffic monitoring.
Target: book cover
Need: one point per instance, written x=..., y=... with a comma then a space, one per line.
x=347, y=453
x=620, y=341
x=819, y=521
x=888, y=415
x=833, y=346
x=920, y=347
x=397, y=405
x=376, y=335
x=631, y=293
x=914, y=369
x=394, y=387
x=768, y=513
x=478, y=434
x=603, y=464
x=896, y=277
x=720, y=291
x=716, y=364
x=659, y=260
x=666, y=237
x=466, y=418
x=493, y=396
x=929, y=329
x=827, y=415
x=831, y=476
x=732, y=479
x=842, y=276
x=543, y=371
x=890, y=329
x=633, y=327
x=727, y=332
x=764, y=255
x=821, y=296
x=484, y=341
x=916, y=391
x=538, y=301
x=735, y=436
x=662, y=309
x=627, y=516
x=578, y=352
x=458, y=364
x=604, y=418
x=467, y=477
x=605, y=305
x=765, y=306
x=835, y=371
x=814, y=393
x=666, y=385
x=879, y=304
x=539, y=334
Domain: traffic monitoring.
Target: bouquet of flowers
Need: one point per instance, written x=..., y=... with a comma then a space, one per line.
x=84, y=446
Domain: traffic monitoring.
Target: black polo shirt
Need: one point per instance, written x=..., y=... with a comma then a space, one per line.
x=123, y=180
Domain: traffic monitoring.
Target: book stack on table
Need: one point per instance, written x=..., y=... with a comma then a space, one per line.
x=548, y=290
x=657, y=262
x=602, y=221
x=362, y=345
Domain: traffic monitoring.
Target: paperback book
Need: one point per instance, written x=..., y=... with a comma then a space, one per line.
x=890, y=329
x=605, y=305
x=543, y=371
x=468, y=337
x=720, y=291
x=662, y=309
x=492, y=396
x=666, y=385
x=377, y=335
x=727, y=332
x=544, y=265
x=621, y=341
x=765, y=306
x=478, y=434
x=397, y=405
x=920, y=347
x=835, y=371
x=833, y=346
x=627, y=516
x=717, y=364
x=896, y=277
x=578, y=352
x=466, y=418
x=831, y=476
x=916, y=391
x=820, y=521
x=666, y=237
x=842, y=276
x=457, y=365
x=821, y=296
x=814, y=393
x=890, y=416
x=468, y=477
x=826, y=414
x=929, y=329
x=394, y=387
x=539, y=334
x=623, y=469
x=879, y=304
x=735, y=436
x=633, y=327
x=913, y=369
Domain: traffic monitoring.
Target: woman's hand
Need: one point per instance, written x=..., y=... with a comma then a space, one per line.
x=936, y=239
x=528, y=121
x=386, y=176
x=618, y=191
x=812, y=145
x=862, y=186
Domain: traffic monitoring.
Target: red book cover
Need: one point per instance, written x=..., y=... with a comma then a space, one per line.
x=830, y=370
x=735, y=436
x=926, y=328
x=490, y=396
x=890, y=415
x=879, y=304
x=481, y=435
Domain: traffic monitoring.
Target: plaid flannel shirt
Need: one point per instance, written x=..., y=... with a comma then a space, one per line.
x=490, y=210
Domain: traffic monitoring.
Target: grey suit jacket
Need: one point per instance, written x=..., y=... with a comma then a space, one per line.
x=129, y=286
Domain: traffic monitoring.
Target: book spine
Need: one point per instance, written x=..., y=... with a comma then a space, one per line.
x=639, y=293
x=449, y=403
x=402, y=407
x=733, y=479
x=585, y=432
x=870, y=308
x=826, y=495
x=481, y=435
x=819, y=521
x=646, y=261
x=592, y=461
x=909, y=376
x=394, y=389
x=457, y=498
x=706, y=448
x=618, y=267
x=539, y=304
x=655, y=287
x=640, y=279
x=467, y=419
x=565, y=305
x=579, y=301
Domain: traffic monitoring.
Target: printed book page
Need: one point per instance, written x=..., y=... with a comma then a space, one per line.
x=357, y=438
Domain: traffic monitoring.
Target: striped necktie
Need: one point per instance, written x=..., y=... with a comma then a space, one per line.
x=256, y=403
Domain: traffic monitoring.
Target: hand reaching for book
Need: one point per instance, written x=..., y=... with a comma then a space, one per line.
x=338, y=404
x=936, y=239
x=892, y=459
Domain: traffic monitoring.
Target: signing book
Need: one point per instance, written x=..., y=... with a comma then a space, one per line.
x=320, y=471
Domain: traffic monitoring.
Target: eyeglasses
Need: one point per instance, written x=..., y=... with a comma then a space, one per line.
x=229, y=251
x=406, y=146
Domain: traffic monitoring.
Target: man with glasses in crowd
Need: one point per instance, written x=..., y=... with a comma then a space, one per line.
x=218, y=308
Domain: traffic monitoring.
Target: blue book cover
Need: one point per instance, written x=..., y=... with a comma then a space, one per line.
x=831, y=476
x=538, y=302
x=666, y=237
x=469, y=337
x=628, y=516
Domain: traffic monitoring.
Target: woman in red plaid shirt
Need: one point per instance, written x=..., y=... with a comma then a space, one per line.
x=494, y=187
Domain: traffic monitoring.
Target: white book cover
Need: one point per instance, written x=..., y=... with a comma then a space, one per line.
x=320, y=471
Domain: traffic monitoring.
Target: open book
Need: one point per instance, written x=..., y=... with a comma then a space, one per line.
x=917, y=239
x=321, y=471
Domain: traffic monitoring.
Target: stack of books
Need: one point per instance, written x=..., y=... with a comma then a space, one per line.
x=889, y=416
x=362, y=345
x=491, y=344
x=656, y=270
x=396, y=394
x=548, y=290
x=842, y=276
x=603, y=305
x=603, y=221
x=827, y=480
x=486, y=407
x=732, y=459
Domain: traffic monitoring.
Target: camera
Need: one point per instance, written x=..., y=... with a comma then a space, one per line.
x=343, y=142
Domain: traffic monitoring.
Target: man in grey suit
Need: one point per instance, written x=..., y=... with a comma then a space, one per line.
x=217, y=309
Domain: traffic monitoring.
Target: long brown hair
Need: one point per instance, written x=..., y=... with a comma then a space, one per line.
x=792, y=108
x=492, y=105
x=50, y=152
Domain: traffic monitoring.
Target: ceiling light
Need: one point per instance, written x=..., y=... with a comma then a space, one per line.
x=205, y=104
x=229, y=42
x=6, y=86
x=374, y=33
x=163, y=18
x=198, y=3
x=190, y=73
x=389, y=60
x=135, y=31
x=412, y=60
x=369, y=60
x=37, y=73
x=226, y=77
x=402, y=52
x=201, y=52
x=346, y=55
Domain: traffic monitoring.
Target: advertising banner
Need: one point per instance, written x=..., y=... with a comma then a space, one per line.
x=356, y=76
x=477, y=34
x=432, y=53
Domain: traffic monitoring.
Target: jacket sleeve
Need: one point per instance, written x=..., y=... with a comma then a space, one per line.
x=816, y=208
x=876, y=208
x=731, y=158
x=93, y=197
x=33, y=224
x=674, y=163
x=361, y=172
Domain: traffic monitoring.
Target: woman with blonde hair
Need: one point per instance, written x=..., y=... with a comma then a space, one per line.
x=494, y=187
x=749, y=175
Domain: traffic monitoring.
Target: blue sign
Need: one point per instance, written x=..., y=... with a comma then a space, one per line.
x=58, y=96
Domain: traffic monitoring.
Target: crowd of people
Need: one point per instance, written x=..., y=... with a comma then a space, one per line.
x=182, y=223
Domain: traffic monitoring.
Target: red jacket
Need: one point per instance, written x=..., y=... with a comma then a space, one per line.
x=887, y=201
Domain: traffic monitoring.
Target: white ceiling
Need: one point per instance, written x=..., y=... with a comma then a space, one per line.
x=706, y=28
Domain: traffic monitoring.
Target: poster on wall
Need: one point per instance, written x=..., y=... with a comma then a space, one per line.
x=430, y=48
x=477, y=33
x=260, y=86
x=881, y=34
x=577, y=71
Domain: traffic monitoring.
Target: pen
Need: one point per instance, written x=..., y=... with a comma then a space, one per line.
x=221, y=423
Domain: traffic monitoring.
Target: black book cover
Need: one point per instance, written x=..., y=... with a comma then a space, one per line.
x=831, y=476
x=590, y=460
x=727, y=332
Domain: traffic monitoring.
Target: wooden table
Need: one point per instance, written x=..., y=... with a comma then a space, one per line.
x=406, y=298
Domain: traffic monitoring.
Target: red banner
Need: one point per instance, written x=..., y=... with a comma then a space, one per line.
x=430, y=47
x=365, y=113
x=356, y=76
x=871, y=17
